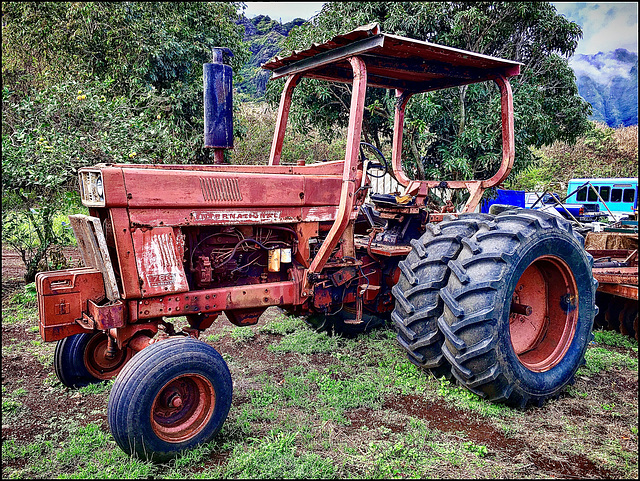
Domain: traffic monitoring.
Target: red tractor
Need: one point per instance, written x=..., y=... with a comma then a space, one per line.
x=502, y=302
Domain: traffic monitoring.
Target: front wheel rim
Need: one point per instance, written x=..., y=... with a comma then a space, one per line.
x=543, y=316
x=182, y=408
x=99, y=364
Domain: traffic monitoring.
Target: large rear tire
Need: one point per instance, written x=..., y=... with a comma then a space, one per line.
x=171, y=397
x=418, y=304
x=519, y=308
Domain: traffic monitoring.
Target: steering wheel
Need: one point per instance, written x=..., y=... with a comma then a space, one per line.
x=374, y=165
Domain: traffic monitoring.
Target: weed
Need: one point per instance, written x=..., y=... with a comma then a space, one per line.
x=275, y=457
x=601, y=359
x=19, y=314
x=27, y=297
x=97, y=388
x=305, y=341
x=242, y=334
x=9, y=406
x=478, y=450
x=612, y=338
x=282, y=325
x=465, y=399
x=572, y=391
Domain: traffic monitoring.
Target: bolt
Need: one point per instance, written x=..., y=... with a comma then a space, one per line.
x=176, y=402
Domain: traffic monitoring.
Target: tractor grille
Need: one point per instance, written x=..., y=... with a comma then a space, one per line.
x=220, y=190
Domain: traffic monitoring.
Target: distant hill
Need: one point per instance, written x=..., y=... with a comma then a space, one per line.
x=265, y=41
x=609, y=82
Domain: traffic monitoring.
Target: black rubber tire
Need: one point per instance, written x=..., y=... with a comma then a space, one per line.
x=141, y=383
x=69, y=361
x=335, y=324
x=417, y=301
x=477, y=304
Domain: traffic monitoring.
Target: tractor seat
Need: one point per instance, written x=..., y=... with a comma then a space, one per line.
x=390, y=200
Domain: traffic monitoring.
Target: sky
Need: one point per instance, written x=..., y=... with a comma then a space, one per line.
x=605, y=26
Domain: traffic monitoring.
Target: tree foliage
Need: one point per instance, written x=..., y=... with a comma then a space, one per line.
x=99, y=82
x=455, y=133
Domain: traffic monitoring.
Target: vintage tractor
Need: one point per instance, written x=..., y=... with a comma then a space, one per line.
x=503, y=303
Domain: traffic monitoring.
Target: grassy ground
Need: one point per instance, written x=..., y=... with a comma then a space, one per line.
x=307, y=405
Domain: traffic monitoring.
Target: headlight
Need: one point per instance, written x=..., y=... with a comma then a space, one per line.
x=91, y=188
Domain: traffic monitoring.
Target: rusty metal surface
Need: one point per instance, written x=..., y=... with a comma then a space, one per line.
x=616, y=275
x=113, y=314
x=613, y=253
x=393, y=62
x=350, y=179
x=161, y=188
x=627, y=291
x=220, y=299
x=382, y=249
x=62, y=298
x=159, y=261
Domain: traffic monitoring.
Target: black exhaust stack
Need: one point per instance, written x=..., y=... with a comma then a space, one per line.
x=218, y=104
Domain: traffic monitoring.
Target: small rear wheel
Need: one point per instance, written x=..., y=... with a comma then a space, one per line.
x=171, y=397
x=83, y=359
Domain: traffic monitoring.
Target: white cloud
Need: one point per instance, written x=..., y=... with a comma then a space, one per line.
x=605, y=26
x=602, y=68
x=283, y=11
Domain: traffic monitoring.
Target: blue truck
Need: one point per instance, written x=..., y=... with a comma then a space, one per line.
x=549, y=202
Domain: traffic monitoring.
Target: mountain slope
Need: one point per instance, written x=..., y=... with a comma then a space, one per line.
x=609, y=81
x=265, y=41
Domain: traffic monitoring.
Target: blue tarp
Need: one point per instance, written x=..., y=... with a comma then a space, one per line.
x=508, y=197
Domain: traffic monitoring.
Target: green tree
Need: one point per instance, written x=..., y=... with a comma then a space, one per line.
x=456, y=132
x=98, y=82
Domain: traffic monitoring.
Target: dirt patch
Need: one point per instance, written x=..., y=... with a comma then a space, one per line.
x=448, y=419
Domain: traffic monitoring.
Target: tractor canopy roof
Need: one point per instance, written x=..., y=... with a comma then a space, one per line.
x=393, y=62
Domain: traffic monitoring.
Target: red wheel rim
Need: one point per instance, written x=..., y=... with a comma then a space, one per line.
x=182, y=408
x=544, y=313
x=98, y=363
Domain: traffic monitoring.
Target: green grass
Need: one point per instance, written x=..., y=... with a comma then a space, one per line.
x=275, y=456
x=19, y=314
x=242, y=334
x=305, y=341
x=601, y=359
x=282, y=325
x=615, y=339
x=331, y=408
x=97, y=388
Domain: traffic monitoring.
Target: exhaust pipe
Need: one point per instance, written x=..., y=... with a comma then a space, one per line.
x=218, y=104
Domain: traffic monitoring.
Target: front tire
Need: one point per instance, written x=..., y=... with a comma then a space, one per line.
x=171, y=397
x=82, y=359
x=519, y=308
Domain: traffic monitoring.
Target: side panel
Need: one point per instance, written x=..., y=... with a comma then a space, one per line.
x=159, y=261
